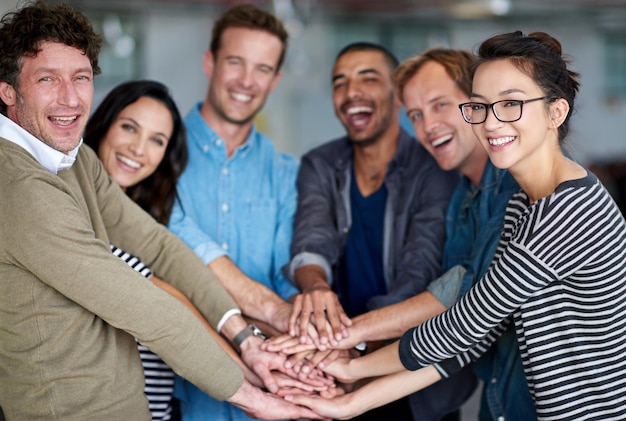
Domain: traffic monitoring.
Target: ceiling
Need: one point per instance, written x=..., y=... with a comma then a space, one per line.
x=391, y=8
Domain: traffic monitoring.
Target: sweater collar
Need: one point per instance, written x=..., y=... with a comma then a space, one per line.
x=49, y=158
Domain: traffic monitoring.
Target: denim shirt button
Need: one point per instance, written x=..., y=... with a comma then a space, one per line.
x=501, y=418
x=494, y=381
x=205, y=148
x=224, y=246
x=345, y=230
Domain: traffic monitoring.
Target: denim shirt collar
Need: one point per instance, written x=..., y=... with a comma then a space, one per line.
x=211, y=141
x=491, y=178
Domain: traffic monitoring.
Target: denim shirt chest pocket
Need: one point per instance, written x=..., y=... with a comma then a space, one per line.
x=461, y=231
x=258, y=217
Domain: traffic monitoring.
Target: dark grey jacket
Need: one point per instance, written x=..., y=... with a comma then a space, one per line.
x=414, y=231
x=414, y=235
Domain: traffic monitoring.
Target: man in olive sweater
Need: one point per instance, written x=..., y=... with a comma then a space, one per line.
x=70, y=310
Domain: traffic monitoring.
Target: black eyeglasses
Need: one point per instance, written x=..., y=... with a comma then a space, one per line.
x=507, y=110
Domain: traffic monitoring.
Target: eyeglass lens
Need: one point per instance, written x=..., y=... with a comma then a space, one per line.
x=505, y=111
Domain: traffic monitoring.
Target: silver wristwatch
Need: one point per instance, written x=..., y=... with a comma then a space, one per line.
x=250, y=330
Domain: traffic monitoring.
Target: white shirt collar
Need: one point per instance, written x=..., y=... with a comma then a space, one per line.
x=49, y=158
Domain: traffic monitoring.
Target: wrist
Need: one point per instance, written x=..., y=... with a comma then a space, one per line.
x=358, y=332
x=320, y=285
x=311, y=278
x=353, y=404
x=279, y=316
x=247, y=337
x=352, y=368
x=244, y=395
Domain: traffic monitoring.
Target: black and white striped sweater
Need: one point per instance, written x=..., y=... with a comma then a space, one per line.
x=560, y=272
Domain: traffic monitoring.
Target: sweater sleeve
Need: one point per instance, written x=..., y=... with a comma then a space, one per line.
x=62, y=240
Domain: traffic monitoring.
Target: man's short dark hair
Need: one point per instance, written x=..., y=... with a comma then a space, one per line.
x=392, y=61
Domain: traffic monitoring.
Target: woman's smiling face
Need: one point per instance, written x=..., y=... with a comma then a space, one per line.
x=136, y=142
x=512, y=144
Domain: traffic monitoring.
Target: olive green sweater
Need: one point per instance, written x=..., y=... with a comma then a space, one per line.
x=70, y=310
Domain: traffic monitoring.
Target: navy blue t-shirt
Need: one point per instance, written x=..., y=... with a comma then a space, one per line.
x=361, y=267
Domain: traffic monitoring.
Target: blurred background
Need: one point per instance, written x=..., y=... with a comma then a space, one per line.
x=165, y=40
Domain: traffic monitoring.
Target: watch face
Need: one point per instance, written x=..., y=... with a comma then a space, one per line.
x=256, y=331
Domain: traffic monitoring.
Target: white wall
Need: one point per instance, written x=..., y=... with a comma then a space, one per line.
x=299, y=113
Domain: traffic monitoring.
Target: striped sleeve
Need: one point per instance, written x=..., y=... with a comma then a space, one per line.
x=132, y=261
x=548, y=242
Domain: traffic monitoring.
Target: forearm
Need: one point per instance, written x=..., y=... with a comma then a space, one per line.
x=253, y=378
x=386, y=389
x=382, y=362
x=254, y=298
x=392, y=321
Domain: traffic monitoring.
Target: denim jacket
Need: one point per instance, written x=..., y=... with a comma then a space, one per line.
x=473, y=226
x=413, y=235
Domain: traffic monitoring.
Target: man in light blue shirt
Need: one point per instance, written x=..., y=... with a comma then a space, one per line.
x=237, y=197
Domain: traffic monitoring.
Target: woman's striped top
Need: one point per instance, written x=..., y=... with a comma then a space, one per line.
x=560, y=271
x=159, y=385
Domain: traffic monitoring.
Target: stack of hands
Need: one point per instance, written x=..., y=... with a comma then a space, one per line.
x=309, y=365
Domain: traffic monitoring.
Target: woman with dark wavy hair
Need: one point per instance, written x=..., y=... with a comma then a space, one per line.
x=558, y=274
x=138, y=135
x=146, y=165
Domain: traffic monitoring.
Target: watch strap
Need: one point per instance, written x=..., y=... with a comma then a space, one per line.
x=250, y=330
x=242, y=336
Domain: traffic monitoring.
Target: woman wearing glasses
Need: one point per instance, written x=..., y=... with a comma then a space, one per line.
x=559, y=272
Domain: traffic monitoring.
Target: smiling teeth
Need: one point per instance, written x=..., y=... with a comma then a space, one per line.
x=64, y=118
x=133, y=164
x=357, y=110
x=501, y=140
x=241, y=97
x=441, y=140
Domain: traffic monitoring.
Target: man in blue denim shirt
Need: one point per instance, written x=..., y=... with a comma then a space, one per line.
x=431, y=86
x=237, y=196
x=369, y=229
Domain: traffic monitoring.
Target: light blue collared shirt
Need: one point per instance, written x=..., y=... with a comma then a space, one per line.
x=240, y=206
x=49, y=158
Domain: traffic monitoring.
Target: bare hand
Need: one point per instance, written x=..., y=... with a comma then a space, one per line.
x=258, y=404
x=340, y=370
x=320, y=306
x=287, y=345
x=335, y=408
x=290, y=385
x=321, y=359
x=262, y=362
